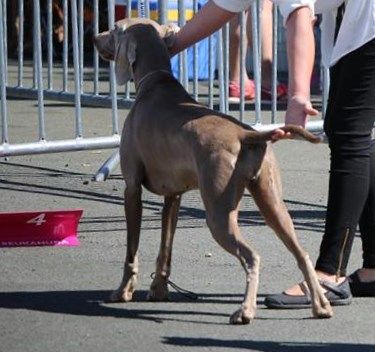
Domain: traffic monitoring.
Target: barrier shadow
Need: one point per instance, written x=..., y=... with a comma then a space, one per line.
x=266, y=346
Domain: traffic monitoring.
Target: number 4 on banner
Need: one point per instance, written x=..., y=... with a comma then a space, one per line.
x=38, y=220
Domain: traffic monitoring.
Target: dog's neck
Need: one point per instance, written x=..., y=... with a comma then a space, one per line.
x=142, y=70
x=148, y=75
x=154, y=57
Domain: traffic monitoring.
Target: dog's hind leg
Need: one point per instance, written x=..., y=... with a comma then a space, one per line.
x=133, y=213
x=225, y=230
x=159, y=287
x=267, y=194
x=221, y=195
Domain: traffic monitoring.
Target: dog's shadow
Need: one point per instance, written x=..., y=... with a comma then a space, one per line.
x=95, y=304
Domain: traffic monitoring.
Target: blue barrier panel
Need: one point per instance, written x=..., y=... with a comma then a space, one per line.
x=172, y=16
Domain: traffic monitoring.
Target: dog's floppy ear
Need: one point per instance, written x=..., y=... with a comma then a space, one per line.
x=168, y=33
x=105, y=43
x=125, y=55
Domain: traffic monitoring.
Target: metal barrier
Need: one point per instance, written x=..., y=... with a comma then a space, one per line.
x=46, y=72
x=36, y=89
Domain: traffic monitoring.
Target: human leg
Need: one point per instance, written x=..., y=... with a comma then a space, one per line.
x=348, y=125
x=349, y=121
x=267, y=36
x=266, y=51
x=367, y=223
x=362, y=281
x=235, y=66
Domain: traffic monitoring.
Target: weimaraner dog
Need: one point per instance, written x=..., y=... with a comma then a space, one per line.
x=171, y=144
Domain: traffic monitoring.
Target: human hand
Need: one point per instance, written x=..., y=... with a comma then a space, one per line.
x=299, y=107
x=279, y=134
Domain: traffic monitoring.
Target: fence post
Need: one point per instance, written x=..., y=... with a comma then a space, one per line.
x=39, y=69
x=256, y=60
x=4, y=117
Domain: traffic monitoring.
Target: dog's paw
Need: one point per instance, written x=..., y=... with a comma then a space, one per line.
x=125, y=292
x=323, y=312
x=158, y=293
x=241, y=316
x=121, y=295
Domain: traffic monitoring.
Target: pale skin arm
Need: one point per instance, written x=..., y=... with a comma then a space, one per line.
x=301, y=54
x=300, y=46
x=208, y=20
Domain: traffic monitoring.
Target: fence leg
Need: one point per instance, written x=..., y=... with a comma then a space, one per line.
x=3, y=97
x=110, y=164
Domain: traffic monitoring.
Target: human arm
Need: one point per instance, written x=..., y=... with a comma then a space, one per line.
x=301, y=53
x=206, y=21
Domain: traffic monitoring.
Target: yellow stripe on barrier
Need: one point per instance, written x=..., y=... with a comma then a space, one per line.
x=172, y=15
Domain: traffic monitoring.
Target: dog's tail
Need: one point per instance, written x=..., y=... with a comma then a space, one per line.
x=289, y=132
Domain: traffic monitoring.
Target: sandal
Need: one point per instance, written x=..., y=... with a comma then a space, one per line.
x=360, y=288
x=337, y=295
x=235, y=91
x=281, y=91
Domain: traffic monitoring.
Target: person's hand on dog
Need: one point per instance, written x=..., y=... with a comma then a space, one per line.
x=279, y=134
x=299, y=107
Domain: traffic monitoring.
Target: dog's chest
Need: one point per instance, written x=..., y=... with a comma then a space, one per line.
x=167, y=181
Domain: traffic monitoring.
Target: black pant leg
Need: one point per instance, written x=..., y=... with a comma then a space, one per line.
x=367, y=221
x=348, y=124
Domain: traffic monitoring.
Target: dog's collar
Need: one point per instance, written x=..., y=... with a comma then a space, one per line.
x=147, y=75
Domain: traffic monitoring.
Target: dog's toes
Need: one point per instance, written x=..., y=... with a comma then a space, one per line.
x=242, y=317
x=121, y=296
x=158, y=294
x=124, y=292
x=323, y=312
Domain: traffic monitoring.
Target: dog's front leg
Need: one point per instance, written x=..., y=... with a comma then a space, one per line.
x=133, y=213
x=159, y=286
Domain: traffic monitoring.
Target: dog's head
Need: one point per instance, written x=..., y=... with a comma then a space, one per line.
x=116, y=45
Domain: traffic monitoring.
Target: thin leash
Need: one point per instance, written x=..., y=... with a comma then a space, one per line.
x=188, y=294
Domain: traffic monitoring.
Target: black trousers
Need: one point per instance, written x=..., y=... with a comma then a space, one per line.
x=348, y=124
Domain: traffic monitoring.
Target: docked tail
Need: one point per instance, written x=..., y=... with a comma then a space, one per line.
x=285, y=132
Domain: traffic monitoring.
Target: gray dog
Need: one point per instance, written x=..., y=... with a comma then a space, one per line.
x=171, y=144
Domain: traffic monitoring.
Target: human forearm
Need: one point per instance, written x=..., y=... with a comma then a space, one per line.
x=208, y=20
x=301, y=51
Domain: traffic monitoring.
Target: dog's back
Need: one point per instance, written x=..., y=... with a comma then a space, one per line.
x=173, y=135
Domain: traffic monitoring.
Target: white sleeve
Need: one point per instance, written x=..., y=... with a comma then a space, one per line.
x=286, y=7
x=234, y=5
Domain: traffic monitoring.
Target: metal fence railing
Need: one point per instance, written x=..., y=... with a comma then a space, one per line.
x=68, y=69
